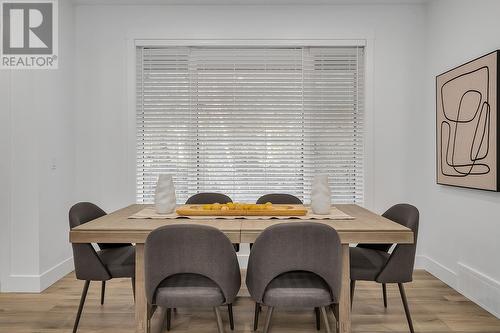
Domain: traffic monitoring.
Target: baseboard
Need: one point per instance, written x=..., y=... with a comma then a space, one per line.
x=438, y=270
x=479, y=288
x=37, y=283
x=476, y=286
x=22, y=284
x=57, y=272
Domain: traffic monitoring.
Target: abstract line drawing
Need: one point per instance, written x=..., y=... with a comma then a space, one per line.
x=467, y=124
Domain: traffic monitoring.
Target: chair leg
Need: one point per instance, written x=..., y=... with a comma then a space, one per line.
x=220, y=325
x=231, y=319
x=318, y=319
x=325, y=319
x=335, y=311
x=80, y=307
x=384, y=292
x=150, y=309
x=270, y=310
x=103, y=290
x=256, y=318
x=133, y=287
x=353, y=286
x=405, y=304
x=169, y=318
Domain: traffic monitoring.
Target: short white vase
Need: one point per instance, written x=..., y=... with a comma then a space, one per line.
x=165, y=194
x=321, y=195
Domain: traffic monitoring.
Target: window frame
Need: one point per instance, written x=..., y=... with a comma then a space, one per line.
x=364, y=41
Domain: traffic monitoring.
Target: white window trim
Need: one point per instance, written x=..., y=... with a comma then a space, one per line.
x=130, y=64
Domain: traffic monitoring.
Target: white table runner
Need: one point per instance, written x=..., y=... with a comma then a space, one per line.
x=150, y=213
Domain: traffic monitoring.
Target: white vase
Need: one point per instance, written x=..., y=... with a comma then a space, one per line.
x=321, y=195
x=165, y=194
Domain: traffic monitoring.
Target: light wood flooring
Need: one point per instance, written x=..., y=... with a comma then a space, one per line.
x=435, y=308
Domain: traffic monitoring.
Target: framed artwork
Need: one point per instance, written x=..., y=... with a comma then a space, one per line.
x=467, y=124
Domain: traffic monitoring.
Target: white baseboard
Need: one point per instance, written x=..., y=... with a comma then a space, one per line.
x=56, y=273
x=476, y=286
x=438, y=270
x=479, y=288
x=37, y=283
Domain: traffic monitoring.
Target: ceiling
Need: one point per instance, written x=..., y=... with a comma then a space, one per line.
x=245, y=2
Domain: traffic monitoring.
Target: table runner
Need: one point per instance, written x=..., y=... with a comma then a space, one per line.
x=150, y=213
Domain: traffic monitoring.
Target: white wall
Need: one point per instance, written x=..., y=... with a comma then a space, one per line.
x=36, y=128
x=105, y=165
x=460, y=230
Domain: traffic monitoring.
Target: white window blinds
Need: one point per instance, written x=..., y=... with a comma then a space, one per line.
x=250, y=121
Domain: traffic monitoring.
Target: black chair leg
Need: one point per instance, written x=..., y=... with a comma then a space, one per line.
x=169, y=318
x=384, y=292
x=103, y=290
x=231, y=319
x=133, y=287
x=267, y=325
x=318, y=319
x=353, y=286
x=405, y=304
x=80, y=307
x=256, y=318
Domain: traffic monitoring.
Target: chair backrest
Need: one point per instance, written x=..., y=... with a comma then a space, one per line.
x=297, y=246
x=191, y=248
x=399, y=267
x=279, y=199
x=88, y=265
x=208, y=198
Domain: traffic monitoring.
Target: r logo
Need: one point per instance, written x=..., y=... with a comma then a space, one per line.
x=27, y=28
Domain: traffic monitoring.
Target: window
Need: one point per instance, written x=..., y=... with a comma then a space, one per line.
x=250, y=121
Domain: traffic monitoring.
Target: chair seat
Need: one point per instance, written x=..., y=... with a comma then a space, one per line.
x=188, y=290
x=120, y=261
x=298, y=289
x=366, y=264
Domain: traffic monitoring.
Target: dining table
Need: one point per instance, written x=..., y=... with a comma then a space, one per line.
x=362, y=226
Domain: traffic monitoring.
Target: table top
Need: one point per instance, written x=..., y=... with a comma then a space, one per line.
x=116, y=227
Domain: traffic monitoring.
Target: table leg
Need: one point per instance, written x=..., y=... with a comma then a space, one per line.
x=345, y=297
x=140, y=292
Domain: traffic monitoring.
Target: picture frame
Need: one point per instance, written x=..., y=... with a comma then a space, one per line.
x=467, y=124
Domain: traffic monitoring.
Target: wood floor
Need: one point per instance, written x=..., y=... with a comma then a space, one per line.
x=435, y=308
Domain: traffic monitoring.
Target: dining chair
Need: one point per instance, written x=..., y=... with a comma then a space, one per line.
x=208, y=198
x=279, y=199
x=373, y=262
x=295, y=265
x=190, y=266
x=111, y=261
x=211, y=198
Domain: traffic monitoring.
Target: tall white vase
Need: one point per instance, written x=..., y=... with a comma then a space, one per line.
x=321, y=195
x=165, y=194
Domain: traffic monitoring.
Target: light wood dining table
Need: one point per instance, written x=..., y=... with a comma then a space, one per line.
x=117, y=227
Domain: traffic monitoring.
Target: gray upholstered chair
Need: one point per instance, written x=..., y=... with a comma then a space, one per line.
x=295, y=265
x=112, y=261
x=373, y=262
x=188, y=265
x=210, y=198
x=279, y=199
